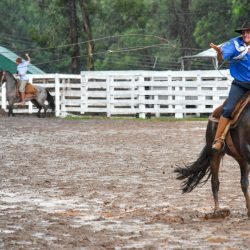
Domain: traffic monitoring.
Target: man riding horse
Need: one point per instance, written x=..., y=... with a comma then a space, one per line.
x=237, y=52
x=238, y=139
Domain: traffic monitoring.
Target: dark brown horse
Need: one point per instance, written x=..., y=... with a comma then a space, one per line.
x=208, y=162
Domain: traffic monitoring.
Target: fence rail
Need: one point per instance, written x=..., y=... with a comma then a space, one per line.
x=113, y=93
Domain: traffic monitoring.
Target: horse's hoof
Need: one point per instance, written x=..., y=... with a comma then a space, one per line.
x=218, y=214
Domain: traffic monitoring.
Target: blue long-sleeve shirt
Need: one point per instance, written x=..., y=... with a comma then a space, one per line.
x=236, y=52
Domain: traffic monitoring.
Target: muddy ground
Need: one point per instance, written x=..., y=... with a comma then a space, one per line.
x=109, y=184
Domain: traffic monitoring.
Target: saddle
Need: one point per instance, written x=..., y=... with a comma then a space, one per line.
x=30, y=89
x=215, y=116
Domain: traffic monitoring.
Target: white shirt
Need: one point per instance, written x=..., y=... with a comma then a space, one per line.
x=22, y=69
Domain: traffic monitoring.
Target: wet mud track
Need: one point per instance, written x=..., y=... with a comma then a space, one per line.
x=109, y=184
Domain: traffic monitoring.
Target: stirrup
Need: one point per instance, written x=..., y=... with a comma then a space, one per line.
x=218, y=144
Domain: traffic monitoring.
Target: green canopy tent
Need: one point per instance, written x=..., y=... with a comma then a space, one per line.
x=8, y=62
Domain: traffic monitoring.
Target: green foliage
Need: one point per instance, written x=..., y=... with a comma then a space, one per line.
x=211, y=26
x=240, y=11
x=128, y=34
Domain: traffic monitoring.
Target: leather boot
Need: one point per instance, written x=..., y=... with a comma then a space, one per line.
x=221, y=132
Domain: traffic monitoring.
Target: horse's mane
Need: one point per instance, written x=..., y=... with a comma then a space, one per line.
x=10, y=74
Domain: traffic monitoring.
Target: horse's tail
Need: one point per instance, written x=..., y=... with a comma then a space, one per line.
x=193, y=174
x=50, y=100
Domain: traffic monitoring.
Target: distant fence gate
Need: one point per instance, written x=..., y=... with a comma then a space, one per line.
x=133, y=93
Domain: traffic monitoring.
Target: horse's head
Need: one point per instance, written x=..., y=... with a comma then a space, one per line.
x=2, y=77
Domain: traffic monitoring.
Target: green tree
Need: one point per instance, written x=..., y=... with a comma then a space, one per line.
x=240, y=11
x=210, y=23
x=69, y=36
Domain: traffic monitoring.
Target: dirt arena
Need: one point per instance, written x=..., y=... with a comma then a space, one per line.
x=109, y=184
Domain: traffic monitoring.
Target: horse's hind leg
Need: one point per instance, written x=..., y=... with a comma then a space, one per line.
x=215, y=164
x=39, y=112
x=45, y=110
x=38, y=106
x=244, y=170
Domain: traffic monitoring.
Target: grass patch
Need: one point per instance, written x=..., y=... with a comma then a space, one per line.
x=153, y=119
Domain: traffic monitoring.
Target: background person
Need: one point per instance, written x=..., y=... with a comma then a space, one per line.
x=22, y=68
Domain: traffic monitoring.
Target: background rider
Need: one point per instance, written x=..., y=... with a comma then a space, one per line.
x=22, y=68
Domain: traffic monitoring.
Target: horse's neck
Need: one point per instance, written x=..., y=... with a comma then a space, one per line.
x=11, y=83
x=10, y=79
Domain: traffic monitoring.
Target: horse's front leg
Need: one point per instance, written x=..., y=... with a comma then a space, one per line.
x=10, y=112
x=215, y=164
x=218, y=213
x=244, y=170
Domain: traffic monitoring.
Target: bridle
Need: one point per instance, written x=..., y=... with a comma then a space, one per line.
x=2, y=78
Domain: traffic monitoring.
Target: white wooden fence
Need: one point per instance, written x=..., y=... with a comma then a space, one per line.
x=130, y=93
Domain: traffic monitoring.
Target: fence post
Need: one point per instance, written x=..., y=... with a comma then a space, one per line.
x=201, y=97
x=179, y=98
x=63, y=99
x=84, y=91
x=133, y=95
x=110, y=95
x=141, y=97
x=4, y=101
x=57, y=95
x=157, y=106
